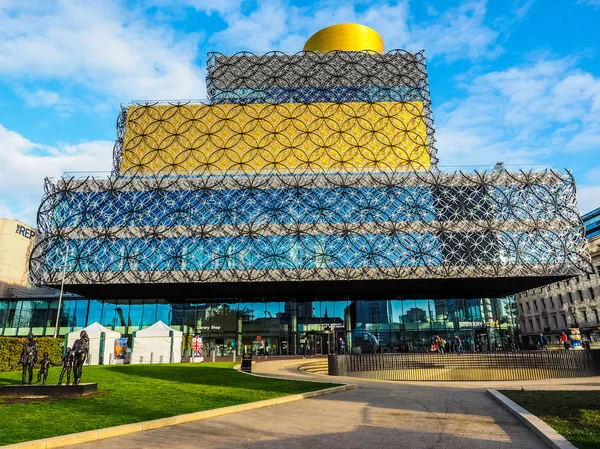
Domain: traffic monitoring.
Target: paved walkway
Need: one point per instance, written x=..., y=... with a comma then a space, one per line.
x=377, y=414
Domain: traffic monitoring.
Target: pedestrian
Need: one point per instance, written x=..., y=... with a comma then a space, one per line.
x=306, y=348
x=261, y=349
x=458, y=344
x=434, y=344
x=564, y=340
x=543, y=342
x=441, y=345
x=341, y=346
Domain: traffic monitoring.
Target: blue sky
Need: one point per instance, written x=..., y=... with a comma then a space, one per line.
x=516, y=81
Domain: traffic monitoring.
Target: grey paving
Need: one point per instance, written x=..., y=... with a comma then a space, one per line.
x=375, y=415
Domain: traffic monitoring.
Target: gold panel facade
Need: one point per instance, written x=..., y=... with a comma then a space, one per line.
x=263, y=138
x=345, y=37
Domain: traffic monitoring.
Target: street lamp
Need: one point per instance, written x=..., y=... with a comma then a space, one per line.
x=62, y=284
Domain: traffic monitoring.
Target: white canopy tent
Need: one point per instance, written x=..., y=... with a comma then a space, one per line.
x=155, y=343
x=94, y=332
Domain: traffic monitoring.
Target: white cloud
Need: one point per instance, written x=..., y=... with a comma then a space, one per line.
x=275, y=25
x=40, y=97
x=588, y=197
x=459, y=33
x=521, y=115
x=25, y=164
x=99, y=45
x=595, y=3
x=220, y=6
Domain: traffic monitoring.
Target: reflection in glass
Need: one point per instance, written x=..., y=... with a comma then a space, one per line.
x=289, y=325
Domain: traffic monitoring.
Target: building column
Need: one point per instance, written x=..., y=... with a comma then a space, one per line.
x=238, y=335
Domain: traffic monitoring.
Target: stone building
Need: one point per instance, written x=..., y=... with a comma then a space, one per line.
x=569, y=303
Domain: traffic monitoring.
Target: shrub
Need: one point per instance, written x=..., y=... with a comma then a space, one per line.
x=11, y=347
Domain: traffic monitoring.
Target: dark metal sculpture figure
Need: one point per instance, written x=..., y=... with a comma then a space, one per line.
x=67, y=366
x=45, y=363
x=81, y=348
x=28, y=358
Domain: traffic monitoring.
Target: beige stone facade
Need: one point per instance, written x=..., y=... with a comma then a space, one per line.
x=16, y=242
x=561, y=305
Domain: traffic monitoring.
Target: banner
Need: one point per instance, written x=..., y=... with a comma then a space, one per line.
x=197, y=346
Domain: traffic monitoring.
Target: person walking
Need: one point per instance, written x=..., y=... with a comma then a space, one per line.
x=441, y=345
x=543, y=342
x=261, y=349
x=564, y=340
x=306, y=348
x=341, y=346
x=458, y=344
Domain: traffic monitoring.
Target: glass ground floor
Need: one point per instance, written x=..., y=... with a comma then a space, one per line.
x=283, y=327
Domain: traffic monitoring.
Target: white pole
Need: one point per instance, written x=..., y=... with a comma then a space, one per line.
x=62, y=284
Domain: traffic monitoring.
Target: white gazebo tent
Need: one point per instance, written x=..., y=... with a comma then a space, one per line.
x=95, y=331
x=156, y=344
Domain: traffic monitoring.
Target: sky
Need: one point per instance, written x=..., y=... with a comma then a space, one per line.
x=516, y=81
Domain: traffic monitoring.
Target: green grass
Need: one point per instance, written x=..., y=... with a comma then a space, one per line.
x=134, y=393
x=573, y=414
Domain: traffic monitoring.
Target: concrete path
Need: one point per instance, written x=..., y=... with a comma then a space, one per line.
x=377, y=414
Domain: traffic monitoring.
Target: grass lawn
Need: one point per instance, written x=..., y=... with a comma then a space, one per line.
x=134, y=393
x=573, y=414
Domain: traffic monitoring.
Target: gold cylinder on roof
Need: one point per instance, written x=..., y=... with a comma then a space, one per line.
x=345, y=37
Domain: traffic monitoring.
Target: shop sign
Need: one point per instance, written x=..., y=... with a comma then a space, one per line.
x=210, y=328
x=472, y=324
x=25, y=232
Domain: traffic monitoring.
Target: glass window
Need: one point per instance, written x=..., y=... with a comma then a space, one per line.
x=81, y=313
x=163, y=313
x=136, y=313
x=149, y=316
x=95, y=312
x=108, y=315
x=121, y=317
x=39, y=317
x=3, y=315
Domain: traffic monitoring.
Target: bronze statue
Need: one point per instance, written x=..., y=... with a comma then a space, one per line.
x=28, y=358
x=81, y=348
x=45, y=363
x=67, y=365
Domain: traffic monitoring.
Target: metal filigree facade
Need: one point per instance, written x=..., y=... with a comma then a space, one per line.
x=306, y=167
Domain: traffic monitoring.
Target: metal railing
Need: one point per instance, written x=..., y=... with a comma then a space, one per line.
x=524, y=365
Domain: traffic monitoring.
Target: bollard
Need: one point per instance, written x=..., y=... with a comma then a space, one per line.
x=151, y=358
x=234, y=355
x=213, y=353
x=160, y=360
x=110, y=359
x=141, y=359
x=89, y=359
